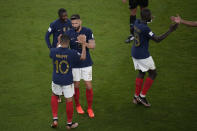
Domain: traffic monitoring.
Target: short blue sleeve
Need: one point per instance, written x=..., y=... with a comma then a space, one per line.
x=148, y=33
x=89, y=35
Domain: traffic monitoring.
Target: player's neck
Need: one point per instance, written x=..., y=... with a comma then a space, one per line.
x=62, y=20
x=79, y=29
x=64, y=46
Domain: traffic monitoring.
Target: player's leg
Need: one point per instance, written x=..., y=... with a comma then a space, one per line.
x=59, y=99
x=56, y=90
x=87, y=77
x=54, y=107
x=89, y=97
x=148, y=83
x=138, y=86
x=76, y=79
x=143, y=4
x=68, y=92
x=133, y=10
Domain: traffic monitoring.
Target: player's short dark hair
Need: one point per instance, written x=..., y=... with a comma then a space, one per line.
x=75, y=17
x=61, y=11
x=65, y=38
x=145, y=14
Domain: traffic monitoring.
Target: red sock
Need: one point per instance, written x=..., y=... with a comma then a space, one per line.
x=54, y=105
x=76, y=96
x=69, y=111
x=138, y=86
x=147, y=85
x=89, y=96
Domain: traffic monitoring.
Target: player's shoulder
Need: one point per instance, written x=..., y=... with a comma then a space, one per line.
x=86, y=29
x=55, y=22
x=68, y=21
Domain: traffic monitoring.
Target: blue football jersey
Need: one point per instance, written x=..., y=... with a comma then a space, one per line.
x=56, y=28
x=63, y=61
x=142, y=35
x=77, y=46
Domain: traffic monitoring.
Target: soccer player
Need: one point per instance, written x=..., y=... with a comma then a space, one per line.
x=59, y=26
x=56, y=28
x=83, y=70
x=62, y=82
x=133, y=4
x=143, y=62
x=179, y=20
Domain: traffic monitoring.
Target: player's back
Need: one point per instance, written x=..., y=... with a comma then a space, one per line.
x=141, y=41
x=63, y=61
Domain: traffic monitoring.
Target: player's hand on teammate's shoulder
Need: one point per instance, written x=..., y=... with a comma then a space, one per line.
x=173, y=27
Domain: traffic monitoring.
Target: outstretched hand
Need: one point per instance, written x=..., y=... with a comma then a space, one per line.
x=124, y=1
x=176, y=19
x=81, y=39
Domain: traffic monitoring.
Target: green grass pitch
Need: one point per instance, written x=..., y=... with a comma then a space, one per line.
x=25, y=67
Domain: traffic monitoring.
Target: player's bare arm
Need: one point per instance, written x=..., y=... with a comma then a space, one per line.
x=83, y=53
x=179, y=20
x=59, y=40
x=189, y=23
x=163, y=36
x=91, y=43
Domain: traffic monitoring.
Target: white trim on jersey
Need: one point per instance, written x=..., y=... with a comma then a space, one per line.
x=49, y=29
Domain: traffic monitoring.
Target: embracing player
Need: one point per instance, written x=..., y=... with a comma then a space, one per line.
x=62, y=82
x=59, y=26
x=143, y=62
x=83, y=70
x=133, y=4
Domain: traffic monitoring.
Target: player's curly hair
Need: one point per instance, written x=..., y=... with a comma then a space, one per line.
x=146, y=14
x=61, y=11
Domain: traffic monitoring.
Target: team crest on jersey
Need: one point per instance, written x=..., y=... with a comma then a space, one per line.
x=64, y=29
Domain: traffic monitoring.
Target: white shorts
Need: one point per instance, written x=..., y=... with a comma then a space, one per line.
x=68, y=91
x=84, y=73
x=144, y=64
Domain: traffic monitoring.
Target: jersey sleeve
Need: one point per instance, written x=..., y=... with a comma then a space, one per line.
x=48, y=34
x=90, y=35
x=149, y=33
x=52, y=53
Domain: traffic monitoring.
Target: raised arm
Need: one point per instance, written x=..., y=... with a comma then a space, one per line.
x=83, y=53
x=163, y=36
x=91, y=42
x=189, y=23
x=179, y=20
